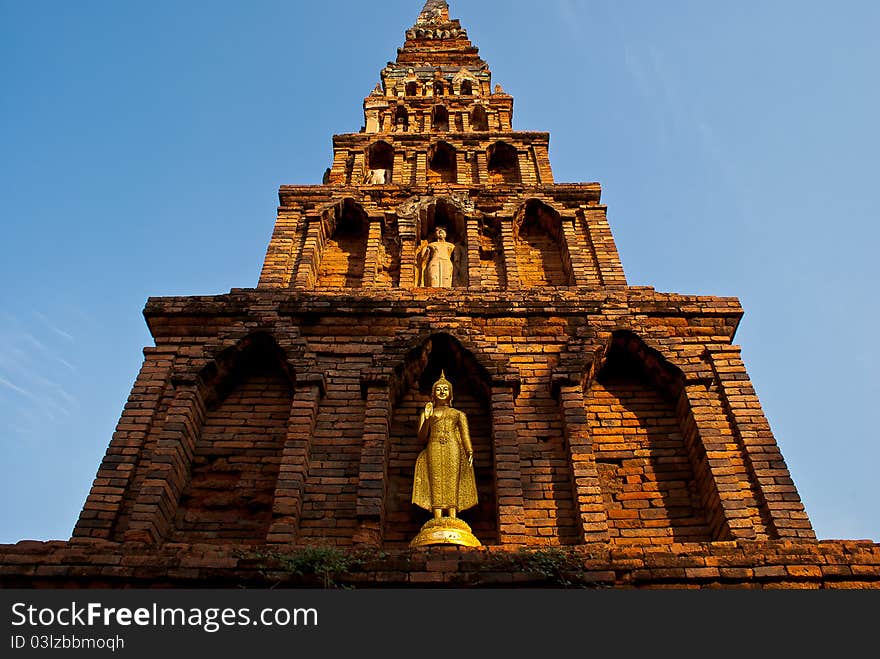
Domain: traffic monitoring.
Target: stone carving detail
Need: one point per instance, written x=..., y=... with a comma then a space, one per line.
x=463, y=203
x=411, y=207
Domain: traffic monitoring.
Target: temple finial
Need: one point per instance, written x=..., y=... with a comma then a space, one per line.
x=434, y=11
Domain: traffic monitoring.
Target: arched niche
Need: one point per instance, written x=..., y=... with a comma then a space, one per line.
x=442, y=163
x=247, y=392
x=343, y=254
x=380, y=162
x=654, y=478
x=388, y=255
x=493, y=271
x=440, y=119
x=541, y=255
x=503, y=162
x=465, y=83
x=411, y=88
x=401, y=118
x=439, y=87
x=471, y=395
x=479, y=119
x=444, y=212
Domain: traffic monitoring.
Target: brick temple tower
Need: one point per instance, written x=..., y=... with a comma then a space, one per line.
x=603, y=416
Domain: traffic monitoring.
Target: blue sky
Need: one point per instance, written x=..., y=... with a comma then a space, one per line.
x=143, y=144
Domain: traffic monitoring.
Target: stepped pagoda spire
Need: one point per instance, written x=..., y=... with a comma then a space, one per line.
x=598, y=414
x=438, y=40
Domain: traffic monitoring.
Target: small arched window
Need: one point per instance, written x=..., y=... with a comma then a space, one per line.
x=344, y=253
x=380, y=163
x=479, y=119
x=467, y=88
x=541, y=254
x=440, y=119
x=412, y=89
x=503, y=164
x=401, y=118
x=442, y=165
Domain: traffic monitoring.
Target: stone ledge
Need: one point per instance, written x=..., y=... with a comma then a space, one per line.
x=835, y=564
x=568, y=300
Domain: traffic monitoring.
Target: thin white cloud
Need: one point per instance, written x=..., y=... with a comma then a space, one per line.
x=35, y=342
x=10, y=385
x=51, y=387
x=52, y=327
x=21, y=348
x=66, y=363
x=48, y=407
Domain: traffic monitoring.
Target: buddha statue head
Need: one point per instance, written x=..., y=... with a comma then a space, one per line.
x=441, y=391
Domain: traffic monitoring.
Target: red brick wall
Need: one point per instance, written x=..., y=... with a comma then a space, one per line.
x=546, y=472
x=538, y=258
x=329, y=503
x=492, y=272
x=235, y=467
x=139, y=461
x=342, y=262
x=648, y=483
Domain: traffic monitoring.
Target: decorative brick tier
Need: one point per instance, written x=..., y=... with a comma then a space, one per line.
x=618, y=415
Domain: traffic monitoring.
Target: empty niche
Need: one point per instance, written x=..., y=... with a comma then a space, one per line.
x=467, y=88
x=503, y=162
x=237, y=456
x=440, y=119
x=412, y=89
x=401, y=118
x=344, y=252
x=442, y=166
x=479, y=119
x=471, y=395
x=540, y=252
x=492, y=271
x=646, y=468
x=388, y=266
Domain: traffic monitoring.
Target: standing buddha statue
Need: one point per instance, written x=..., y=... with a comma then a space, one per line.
x=444, y=481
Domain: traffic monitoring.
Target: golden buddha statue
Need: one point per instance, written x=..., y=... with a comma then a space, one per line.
x=444, y=476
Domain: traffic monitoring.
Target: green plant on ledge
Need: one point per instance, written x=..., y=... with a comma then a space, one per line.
x=562, y=567
x=323, y=562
